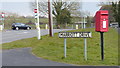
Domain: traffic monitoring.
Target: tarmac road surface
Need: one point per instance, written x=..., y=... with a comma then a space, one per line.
x=13, y=35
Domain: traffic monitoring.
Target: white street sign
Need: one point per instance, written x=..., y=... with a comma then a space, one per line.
x=75, y=35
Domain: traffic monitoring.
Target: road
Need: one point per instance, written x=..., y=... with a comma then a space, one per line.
x=13, y=35
x=23, y=56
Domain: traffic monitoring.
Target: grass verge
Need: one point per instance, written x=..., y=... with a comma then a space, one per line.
x=52, y=48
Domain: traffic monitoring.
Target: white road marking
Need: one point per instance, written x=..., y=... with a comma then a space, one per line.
x=23, y=33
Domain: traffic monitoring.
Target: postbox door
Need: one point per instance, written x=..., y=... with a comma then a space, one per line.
x=104, y=23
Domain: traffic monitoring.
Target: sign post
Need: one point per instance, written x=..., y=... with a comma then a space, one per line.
x=36, y=11
x=76, y=26
x=65, y=45
x=2, y=19
x=46, y=26
x=85, y=49
x=72, y=26
x=101, y=25
x=85, y=41
x=39, y=35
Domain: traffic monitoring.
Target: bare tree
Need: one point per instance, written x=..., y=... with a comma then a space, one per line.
x=73, y=7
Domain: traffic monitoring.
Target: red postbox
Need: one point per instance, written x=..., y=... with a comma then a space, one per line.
x=101, y=21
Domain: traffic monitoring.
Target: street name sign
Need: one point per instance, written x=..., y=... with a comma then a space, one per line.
x=75, y=35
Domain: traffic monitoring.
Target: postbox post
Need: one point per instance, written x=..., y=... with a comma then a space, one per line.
x=102, y=45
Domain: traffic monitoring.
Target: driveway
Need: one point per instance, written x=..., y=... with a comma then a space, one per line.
x=24, y=57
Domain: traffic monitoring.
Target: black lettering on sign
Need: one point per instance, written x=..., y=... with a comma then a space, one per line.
x=75, y=35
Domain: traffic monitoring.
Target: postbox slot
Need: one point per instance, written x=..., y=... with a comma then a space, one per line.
x=104, y=14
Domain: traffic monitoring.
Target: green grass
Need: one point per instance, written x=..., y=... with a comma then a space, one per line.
x=52, y=48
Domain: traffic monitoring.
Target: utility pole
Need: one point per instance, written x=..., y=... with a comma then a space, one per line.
x=50, y=18
x=38, y=26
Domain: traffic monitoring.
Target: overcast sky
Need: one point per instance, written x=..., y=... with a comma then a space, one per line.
x=22, y=7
